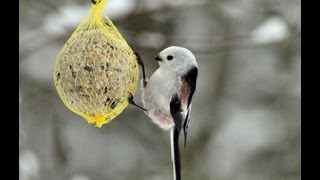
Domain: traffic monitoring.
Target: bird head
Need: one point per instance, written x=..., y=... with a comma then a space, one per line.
x=176, y=59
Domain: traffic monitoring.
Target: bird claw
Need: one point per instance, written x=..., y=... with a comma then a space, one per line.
x=144, y=82
x=131, y=101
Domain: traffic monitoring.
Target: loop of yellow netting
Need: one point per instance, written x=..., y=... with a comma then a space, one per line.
x=96, y=70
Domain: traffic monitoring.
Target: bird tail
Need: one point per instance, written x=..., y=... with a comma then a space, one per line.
x=175, y=153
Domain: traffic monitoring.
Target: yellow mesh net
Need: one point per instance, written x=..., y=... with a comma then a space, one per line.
x=96, y=70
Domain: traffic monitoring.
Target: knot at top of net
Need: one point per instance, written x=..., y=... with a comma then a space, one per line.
x=97, y=8
x=98, y=2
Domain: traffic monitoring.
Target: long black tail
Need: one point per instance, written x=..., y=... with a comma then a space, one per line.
x=175, y=152
x=175, y=110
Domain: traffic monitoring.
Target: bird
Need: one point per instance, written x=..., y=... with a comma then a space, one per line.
x=167, y=96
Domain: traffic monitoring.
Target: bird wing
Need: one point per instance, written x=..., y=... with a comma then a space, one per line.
x=189, y=82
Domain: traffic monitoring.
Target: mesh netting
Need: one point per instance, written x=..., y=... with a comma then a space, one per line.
x=96, y=71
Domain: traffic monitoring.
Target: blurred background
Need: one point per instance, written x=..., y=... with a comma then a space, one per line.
x=246, y=114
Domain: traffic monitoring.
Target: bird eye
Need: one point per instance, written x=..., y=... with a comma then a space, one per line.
x=169, y=57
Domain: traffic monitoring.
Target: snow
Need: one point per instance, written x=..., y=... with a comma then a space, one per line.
x=272, y=30
x=28, y=165
x=119, y=8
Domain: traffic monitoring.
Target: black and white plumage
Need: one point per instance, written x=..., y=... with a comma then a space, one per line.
x=167, y=96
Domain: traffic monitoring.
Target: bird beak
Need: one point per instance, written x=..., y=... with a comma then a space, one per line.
x=158, y=58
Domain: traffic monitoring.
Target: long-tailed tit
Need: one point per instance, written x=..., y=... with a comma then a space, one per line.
x=167, y=96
